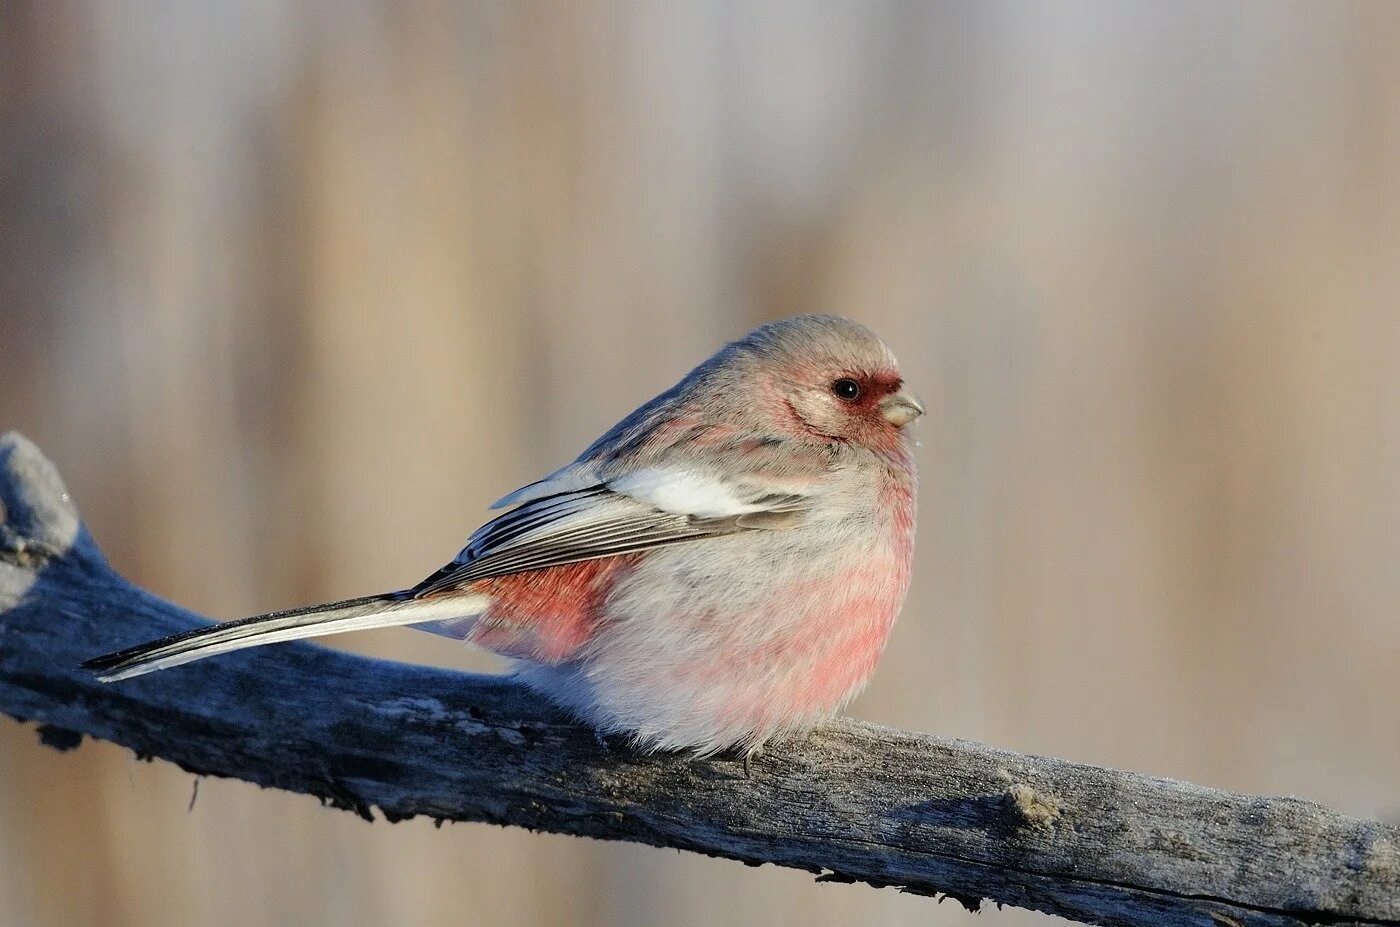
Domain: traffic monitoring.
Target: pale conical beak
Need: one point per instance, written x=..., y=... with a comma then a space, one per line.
x=901, y=408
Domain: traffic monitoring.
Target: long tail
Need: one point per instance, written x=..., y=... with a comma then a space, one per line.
x=379, y=611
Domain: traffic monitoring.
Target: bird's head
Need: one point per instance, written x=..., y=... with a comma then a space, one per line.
x=827, y=377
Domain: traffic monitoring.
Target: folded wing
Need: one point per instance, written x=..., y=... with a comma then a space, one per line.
x=635, y=511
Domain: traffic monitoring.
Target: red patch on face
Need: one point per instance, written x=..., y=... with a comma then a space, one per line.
x=867, y=424
x=876, y=386
x=547, y=615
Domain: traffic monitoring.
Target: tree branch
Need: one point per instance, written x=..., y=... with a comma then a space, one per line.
x=853, y=802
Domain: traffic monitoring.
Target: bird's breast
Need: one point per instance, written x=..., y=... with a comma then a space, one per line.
x=731, y=640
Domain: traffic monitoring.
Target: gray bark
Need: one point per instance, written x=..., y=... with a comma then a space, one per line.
x=852, y=802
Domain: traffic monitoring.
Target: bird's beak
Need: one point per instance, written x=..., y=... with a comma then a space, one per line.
x=901, y=408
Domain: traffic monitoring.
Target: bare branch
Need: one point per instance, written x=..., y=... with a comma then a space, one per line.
x=854, y=802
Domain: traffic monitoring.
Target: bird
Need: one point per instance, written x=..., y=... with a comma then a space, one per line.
x=720, y=570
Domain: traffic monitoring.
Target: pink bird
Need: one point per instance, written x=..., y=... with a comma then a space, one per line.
x=720, y=569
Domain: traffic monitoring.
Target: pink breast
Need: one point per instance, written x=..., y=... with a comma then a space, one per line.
x=831, y=651
x=843, y=638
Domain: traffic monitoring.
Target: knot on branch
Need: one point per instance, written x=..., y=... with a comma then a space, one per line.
x=38, y=520
x=1034, y=809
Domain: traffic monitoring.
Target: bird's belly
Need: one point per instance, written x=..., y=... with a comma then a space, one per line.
x=711, y=646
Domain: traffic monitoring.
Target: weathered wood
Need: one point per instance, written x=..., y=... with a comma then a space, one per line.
x=853, y=802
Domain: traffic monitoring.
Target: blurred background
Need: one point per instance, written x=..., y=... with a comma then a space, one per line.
x=291, y=291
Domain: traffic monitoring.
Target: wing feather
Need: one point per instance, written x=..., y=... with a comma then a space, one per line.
x=652, y=508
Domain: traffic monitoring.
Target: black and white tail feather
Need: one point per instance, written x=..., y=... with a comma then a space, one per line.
x=379, y=611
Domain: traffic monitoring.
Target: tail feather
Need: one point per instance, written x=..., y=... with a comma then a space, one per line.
x=381, y=611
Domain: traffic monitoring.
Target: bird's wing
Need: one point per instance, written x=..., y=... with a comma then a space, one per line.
x=625, y=512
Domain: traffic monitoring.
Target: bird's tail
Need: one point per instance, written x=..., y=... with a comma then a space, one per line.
x=379, y=611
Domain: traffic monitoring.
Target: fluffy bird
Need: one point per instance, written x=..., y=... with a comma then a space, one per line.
x=721, y=568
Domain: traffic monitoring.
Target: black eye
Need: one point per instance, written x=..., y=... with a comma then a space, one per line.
x=846, y=389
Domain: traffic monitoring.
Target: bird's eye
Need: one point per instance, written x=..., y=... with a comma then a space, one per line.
x=846, y=389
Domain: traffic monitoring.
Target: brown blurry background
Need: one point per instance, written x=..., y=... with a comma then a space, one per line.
x=290, y=292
